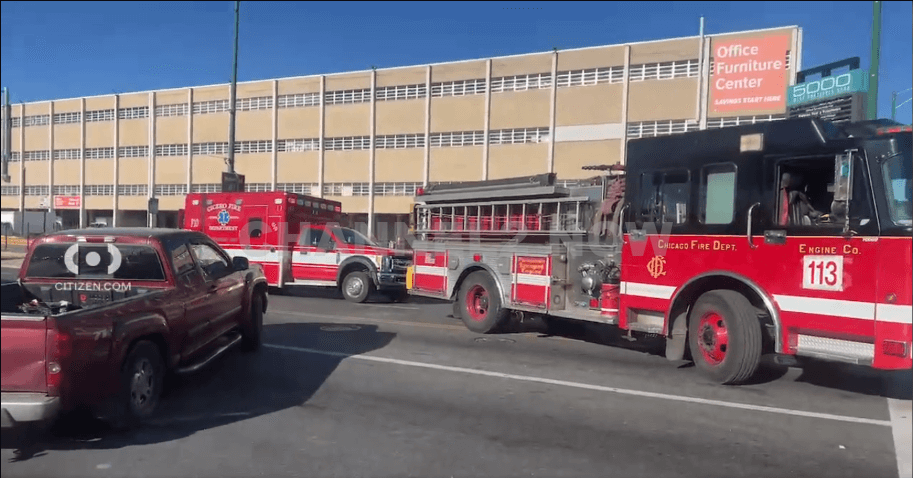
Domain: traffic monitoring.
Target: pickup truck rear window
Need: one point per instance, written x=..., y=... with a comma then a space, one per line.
x=96, y=261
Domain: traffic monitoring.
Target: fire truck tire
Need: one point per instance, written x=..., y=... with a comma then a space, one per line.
x=480, y=304
x=458, y=309
x=357, y=286
x=724, y=337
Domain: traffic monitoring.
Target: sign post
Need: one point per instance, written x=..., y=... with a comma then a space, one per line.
x=153, y=211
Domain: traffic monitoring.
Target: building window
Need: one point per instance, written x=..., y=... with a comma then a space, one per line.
x=66, y=190
x=665, y=71
x=456, y=139
x=131, y=189
x=400, y=141
x=15, y=122
x=15, y=156
x=297, y=145
x=63, y=154
x=592, y=76
x=348, y=143
x=207, y=188
x=99, y=190
x=258, y=187
x=297, y=188
x=459, y=88
x=210, y=149
x=179, y=109
x=210, y=107
x=741, y=120
x=661, y=128
x=133, y=151
x=99, y=153
x=299, y=100
x=37, y=190
x=99, y=115
x=9, y=190
x=137, y=112
x=518, y=136
x=171, y=150
x=396, y=189
x=170, y=189
x=67, y=118
x=248, y=147
x=534, y=81
x=253, y=104
x=37, y=155
x=344, y=97
x=403, y=92
x=37, y=120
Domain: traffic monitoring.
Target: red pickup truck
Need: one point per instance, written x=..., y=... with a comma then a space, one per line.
x=99, y=316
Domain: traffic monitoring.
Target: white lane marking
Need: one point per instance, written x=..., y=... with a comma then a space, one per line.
x=390, y=306
x=902, y=427
x=586, y=386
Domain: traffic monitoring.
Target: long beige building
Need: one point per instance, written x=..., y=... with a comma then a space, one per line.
x=370, y=138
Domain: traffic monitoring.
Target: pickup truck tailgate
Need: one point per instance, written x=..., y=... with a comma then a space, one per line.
x=23, y=340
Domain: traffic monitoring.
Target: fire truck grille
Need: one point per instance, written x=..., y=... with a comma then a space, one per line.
x=400, y=265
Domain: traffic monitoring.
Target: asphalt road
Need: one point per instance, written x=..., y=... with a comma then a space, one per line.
x=404, y=390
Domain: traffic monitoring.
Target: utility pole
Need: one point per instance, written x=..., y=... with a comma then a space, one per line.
x=230, y=165
x=872, y=106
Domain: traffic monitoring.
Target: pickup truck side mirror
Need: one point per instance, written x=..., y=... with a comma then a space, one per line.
x=240, y=263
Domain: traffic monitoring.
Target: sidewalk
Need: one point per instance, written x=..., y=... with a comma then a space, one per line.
x=12, y=255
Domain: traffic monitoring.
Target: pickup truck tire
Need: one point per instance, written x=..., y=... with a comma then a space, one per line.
x=357, y=286
x=142, y=381
x=724, y=337
x=252, y=328
x=480, y=304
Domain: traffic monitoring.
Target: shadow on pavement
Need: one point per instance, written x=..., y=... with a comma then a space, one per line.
x=897, y=384
x=237, y=387
x=334, y=293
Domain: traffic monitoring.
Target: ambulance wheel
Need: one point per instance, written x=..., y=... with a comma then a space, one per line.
x=724, y=337
x=480, y=304
x=357, y=286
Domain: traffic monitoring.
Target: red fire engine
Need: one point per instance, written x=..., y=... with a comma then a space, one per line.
x=790, y=238
x=298, y=240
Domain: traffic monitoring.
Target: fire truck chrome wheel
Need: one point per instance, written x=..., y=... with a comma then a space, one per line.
x=477, y=303
x=724, y=335
x=480, y=304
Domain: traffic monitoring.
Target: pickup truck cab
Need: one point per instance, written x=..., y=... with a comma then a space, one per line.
x=98, y=316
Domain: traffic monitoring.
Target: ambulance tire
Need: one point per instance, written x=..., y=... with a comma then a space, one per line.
x=480, y=304
x=357, y=286
x=724, y=337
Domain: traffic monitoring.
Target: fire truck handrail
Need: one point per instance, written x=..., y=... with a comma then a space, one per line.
x=503, y=203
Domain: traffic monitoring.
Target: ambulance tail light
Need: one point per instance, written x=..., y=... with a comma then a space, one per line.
x=894, y=348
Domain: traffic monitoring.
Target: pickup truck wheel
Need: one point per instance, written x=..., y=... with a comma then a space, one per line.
x=142, y=380
x=357, y=286
x=480, y=304
x=252, y=329
x=724, y=337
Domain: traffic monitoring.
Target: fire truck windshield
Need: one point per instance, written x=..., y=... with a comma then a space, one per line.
x=353, y=237
x=899, y=186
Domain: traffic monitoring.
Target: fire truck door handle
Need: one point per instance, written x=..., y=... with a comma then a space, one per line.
x=750, y=210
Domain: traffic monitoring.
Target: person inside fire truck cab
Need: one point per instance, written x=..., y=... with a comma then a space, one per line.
x=795, y=208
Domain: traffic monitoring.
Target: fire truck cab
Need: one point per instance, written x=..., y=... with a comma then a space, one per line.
x=790, y=238
x=298, y=241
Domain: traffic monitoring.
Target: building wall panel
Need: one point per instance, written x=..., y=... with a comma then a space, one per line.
x=348, y=81
x=171, y=97
x=171, y=170
x=67, y=106
x=401, y=76
x=254, y=125
x=508, y=161
x=456, y=164
x=36, y=138
x=597, y=104
x=256, y=168
x=133, y=100
x=67, y=136
x=461, y=113
x=570, y=158
x=297, y=167
x=348, y=120
x=210, y=128
x=663, y=100
x=34, y=202
x=66, y=172
x=100, y=103
x=208, y=170
x=132, y=203
x=520, y=109
x=393, y=205
x=346, y=166
x=101, y=171
x=401, y=117
x=521, y=65
x=171, y=203
x=133, y=171
x=299, y=85
x=464, y=70
x=211, y=93
x=134, y=132
x=254, y=90
x=591, y=58
x=671, y=50
x=399, y=165
x=171, y=130
x=297, y=123
x=100, y=134
x=103, y=203
x=9, y=202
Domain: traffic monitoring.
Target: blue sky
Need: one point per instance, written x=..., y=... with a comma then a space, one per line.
x=70, y=49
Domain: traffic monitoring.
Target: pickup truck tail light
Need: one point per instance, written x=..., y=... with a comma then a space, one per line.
x=59, y=348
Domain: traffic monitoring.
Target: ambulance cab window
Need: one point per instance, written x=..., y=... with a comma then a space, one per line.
x=717, y=197
x=665, y=196
x=313, y=238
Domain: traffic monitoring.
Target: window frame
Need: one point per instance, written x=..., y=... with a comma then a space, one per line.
x=702, y=193
x=642, y=196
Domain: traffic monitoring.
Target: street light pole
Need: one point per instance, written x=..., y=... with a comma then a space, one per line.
x=872, y=112
x=230, y=165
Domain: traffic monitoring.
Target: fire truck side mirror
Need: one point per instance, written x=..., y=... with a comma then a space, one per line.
x=843, y=175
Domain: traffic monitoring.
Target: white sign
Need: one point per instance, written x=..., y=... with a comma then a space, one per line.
x=822, y=273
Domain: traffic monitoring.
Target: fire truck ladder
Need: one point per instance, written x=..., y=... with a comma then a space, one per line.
x=532, y=216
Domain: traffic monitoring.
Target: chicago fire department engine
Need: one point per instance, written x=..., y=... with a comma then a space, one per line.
x=790, y=238
x=298, y=240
